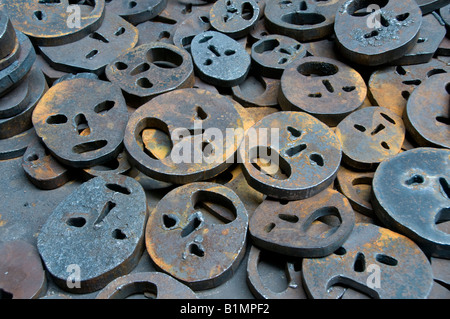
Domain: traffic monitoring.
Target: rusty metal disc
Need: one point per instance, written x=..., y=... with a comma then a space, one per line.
x=136, y=11
x=21, y=122
x=330, y=90
x=357, y=187
x=375, y=35
x=95, y=234
x=430, y=126
x=234, y=18
x=42, y=169
x=303, y=20
x=428, y=6
x=22, y=275
x=445, y=14
x=95, y=51
x=151, y=69
x=257, y=91
x=51, y=75
x=8, y=38
x=369, y=136
x=192, y=124
x=198, y=244
x=54, y=22
x=403, y=269
x=412, y=195
x=288, y=228
x=431, y=34
x=272, y=54
x=290, y=155
x=153, y=285
x=196, y=23
x=274, y=276
x=392, y=86
x=82, y=121
x=17, y=69
x=17, y=145
x=219, y=60
x=16, y=100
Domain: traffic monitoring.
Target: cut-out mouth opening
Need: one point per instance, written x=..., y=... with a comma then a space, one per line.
x=346, y=285
x=269, y=162
x=303, y=19
x=266, y=46
x=323, y=222
x=272, y=270
x=164, y=58
x=215, y=208
x=316, y=69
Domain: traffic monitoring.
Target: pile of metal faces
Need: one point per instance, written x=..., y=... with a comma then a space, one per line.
x=278, y=149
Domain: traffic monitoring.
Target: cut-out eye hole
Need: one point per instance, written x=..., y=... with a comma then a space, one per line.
x=340, y=251
x=204, y=19
x=39, y=15
x=266, y=46
x=205, y=39
x=91, y=54
x=200, y=113
x=76, y=222
x=402, y=17
x=360, y=128
x=33, y=158
x=208, y=62
x=386, y=260
x=144, y=83
x=230, y=52
x=57, y=119
x=415, y=180
x=317, y=159
x=349, y=89
x=170, y=221
x=120, y=31
x=121, y=66
x=385, y=145
x=294, y=132
x=118, y=189
x=141, y=68
x=104, y=107
x=406, y=95
x=387, y=118
x=400, y=70
x=119, y=234
x=289, y=218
